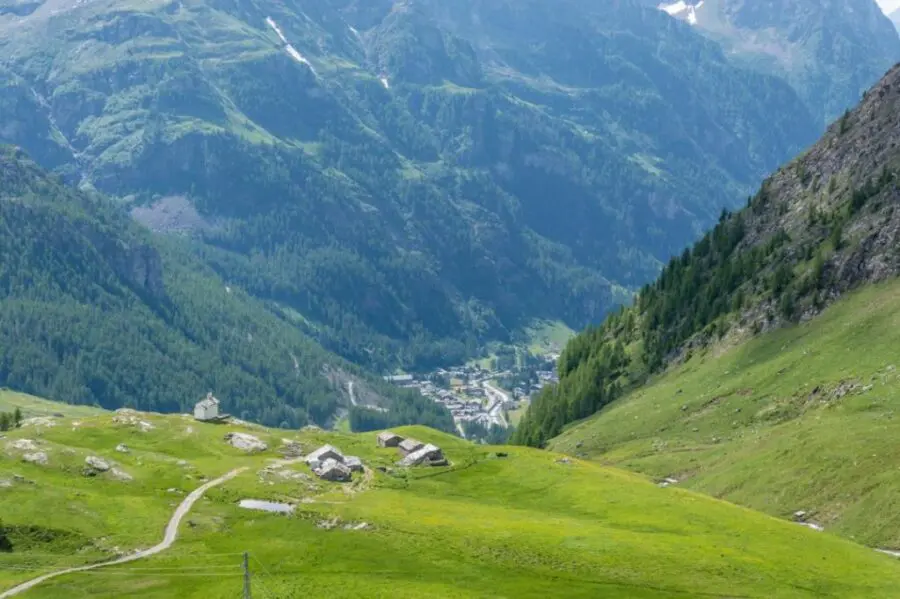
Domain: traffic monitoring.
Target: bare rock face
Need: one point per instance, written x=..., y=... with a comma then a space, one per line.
x=245, y=442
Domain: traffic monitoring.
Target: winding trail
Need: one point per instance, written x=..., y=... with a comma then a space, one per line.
x=168, y=538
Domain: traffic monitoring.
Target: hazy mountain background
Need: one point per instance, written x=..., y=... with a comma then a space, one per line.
x=403, y=181
x=828, y=50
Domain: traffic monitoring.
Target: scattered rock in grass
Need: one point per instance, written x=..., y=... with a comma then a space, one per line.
x=189, y=430
x=120, y=475
x=328, y=524
x=22, y=445
x=5, y=483
x=182, y=463
x=290, y=448
x=38, y=457
x=684, y=408
x=564, y=461
x=122, y=448
x=579, y=445
x=800, y=515
x=245, y=442
x=95, y=465
x=357, y=526
x=130, y=417
x=39, y=421
x=812, y=525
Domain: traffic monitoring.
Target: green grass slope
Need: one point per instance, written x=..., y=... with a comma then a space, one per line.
x=803, y=418
x=526, y=525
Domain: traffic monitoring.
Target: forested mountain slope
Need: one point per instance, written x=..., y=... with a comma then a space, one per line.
x=829, y=50
x=94, y=310
x=408, y=178
x=826, y=223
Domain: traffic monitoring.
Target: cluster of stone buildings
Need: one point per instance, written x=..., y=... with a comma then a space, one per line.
x=414, y=452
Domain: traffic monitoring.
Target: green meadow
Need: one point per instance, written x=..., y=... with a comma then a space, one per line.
x=497, y=522
x=803, y=418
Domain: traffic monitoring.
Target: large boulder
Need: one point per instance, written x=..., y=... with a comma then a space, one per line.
x=97, y=464
x=245, y=442
x=37, y=457
x=121, y=475
x=22, y=445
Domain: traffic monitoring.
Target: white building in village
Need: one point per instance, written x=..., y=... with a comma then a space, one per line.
x=207, y=409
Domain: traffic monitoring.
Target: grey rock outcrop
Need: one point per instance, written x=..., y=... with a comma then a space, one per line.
x=97, y=464
x=37, y=457
x=245, y=442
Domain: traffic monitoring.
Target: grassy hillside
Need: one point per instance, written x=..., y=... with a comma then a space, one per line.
x=32, y=406
x=803, y=418
x=526, y=525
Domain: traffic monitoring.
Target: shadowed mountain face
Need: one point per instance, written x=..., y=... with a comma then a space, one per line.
x=829, y=50
x=97, y=311
x=407, y=179
x=821, y=226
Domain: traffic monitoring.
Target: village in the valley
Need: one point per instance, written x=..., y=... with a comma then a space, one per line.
x=487, y=394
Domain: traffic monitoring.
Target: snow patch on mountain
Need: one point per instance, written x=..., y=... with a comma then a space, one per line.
x=682, y=10
x=291, y=50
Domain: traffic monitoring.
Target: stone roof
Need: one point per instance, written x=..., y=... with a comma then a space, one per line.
x=410, y=445
x=208, y=402
x=325, y=452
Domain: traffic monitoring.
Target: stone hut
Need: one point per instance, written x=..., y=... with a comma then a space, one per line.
x=429, y=454
x=408, y=446
x=333, y=470
x=326, y=452
x=207, y=409
x=389, y=439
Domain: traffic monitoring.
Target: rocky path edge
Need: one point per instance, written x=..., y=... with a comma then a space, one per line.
x=169, y=537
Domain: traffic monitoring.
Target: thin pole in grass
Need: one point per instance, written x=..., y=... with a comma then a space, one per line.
x=247, y=576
